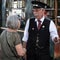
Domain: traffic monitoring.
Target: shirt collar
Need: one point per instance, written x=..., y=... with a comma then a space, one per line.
x=42, y=19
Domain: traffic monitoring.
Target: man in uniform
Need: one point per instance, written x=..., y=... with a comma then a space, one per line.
x=38, y=31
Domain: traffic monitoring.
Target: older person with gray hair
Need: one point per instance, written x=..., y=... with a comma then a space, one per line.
x=12, y=22
x=11, y=46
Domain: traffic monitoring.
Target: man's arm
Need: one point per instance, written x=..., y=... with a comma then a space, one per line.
x=25, y=37
x=54, y=33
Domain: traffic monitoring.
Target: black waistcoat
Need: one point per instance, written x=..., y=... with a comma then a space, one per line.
x=42, y=34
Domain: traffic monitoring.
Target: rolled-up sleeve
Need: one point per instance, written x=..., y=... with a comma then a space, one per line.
x=53, y=30
x=26, y=34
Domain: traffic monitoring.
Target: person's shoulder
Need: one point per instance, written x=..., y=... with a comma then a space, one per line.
x=32, y=19
x=3, y=32
x=48, y=19
x=2, y=35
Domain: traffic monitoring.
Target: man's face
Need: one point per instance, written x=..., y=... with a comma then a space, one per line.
x=38, y=12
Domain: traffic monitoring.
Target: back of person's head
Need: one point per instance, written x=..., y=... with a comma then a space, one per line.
x=12, y=22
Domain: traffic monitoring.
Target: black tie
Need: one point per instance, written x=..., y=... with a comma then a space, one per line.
x=39, y=24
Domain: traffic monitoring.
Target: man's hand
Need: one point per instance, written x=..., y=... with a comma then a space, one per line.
x=56, y=40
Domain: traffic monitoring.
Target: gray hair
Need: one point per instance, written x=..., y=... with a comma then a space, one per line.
x=12, y=22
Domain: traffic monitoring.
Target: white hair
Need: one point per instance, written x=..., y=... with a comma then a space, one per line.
x=12, y=22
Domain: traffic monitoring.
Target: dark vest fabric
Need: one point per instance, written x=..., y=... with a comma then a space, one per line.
x=42, y=34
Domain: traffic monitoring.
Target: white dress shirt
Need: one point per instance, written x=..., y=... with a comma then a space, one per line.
x=52, y=29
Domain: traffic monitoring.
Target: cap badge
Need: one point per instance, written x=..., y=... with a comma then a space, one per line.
x=45, y=6
x=35, y=5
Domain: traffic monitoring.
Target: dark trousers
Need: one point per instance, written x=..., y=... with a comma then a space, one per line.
x=34, y=56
